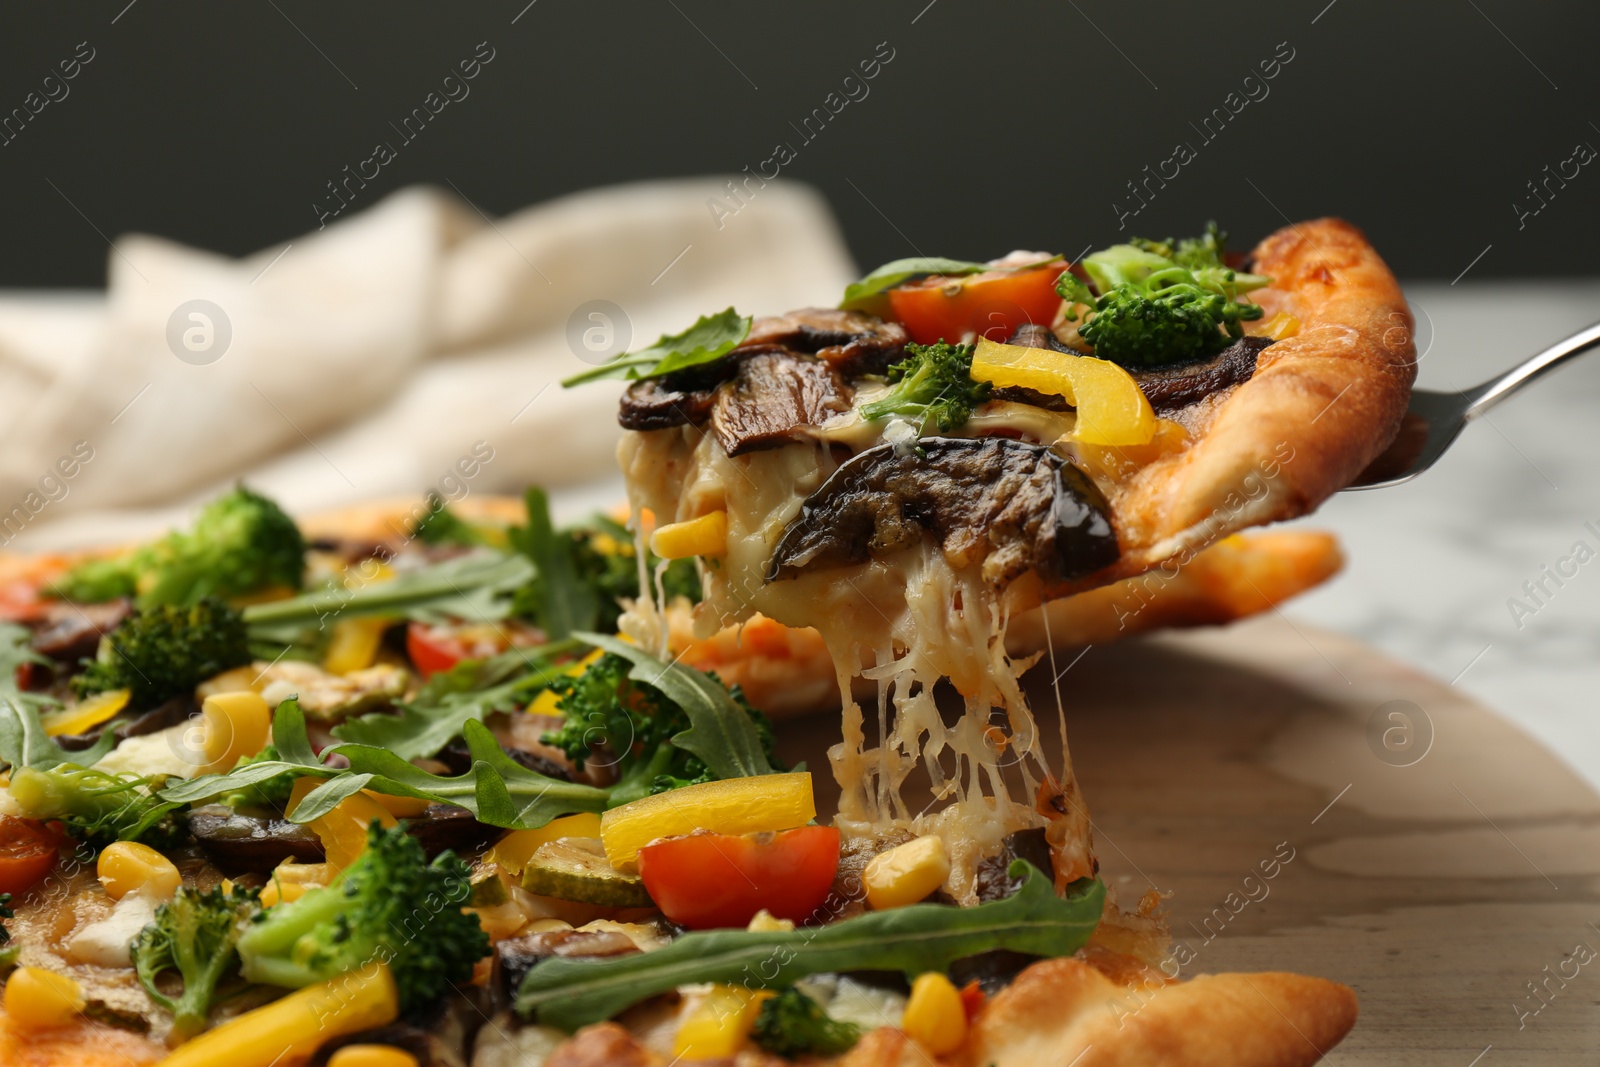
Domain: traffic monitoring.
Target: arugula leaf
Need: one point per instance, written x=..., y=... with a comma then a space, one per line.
x=498, y=790
x=474, y=586
x=471, y=690
x=571, y=993
x=295, y=754
x=710, y=338
x=720, y=733
x=23, y=742
x=860, y=294
x=16, y=650
x=563, y=598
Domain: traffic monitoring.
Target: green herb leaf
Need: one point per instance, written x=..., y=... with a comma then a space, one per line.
x=570, y=993
x=710, y=338
x=23, y=742
x=564, y=600
x=16, y=650
x=860, y=294
x=295, y=754
x=720, y=733
x=474, y=586
x=469, y=691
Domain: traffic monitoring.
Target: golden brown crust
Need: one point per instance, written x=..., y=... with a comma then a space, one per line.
x=1064, y=1011
x=83, y=1044
x=1238, y=576
x=1319, y=407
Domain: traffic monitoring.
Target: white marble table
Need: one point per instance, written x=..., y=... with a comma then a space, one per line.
x=1432, y=564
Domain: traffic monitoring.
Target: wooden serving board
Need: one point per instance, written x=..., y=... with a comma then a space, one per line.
x=1423, y=850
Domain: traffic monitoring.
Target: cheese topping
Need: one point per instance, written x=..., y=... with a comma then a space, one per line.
x=904, y=622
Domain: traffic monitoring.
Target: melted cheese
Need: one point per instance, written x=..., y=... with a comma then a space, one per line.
x=904, y=622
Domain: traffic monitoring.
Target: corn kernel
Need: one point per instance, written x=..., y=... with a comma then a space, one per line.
x=513, y=850
x=372, y=1056
x=37, y=999
x=762, y=922
x=906, y=873
x=234, y=725
x=354, y=644
x=291, y=881
x=129, y=867
x=716, y=1025
x=935, y=1016
x=705, y=536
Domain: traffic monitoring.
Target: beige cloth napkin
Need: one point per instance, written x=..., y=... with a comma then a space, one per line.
x=372, y=358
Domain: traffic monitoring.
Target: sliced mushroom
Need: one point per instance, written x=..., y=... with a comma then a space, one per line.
x=71, y=632
x=1167, y=388
x=237, y=842
x=851, y=342
x=774, y=397
x=1009, y=505
x=671, y=400
x=518, y=955
x=1172, y=388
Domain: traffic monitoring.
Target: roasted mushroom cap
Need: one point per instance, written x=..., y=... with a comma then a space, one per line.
x=1009, y=505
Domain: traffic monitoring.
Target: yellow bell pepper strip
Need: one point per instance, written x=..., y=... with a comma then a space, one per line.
x=353, y=644
x=344, y=829
x=372, y=1056
x=1280, y=327
x=297, y=1025
x=512, y=850
x=935, y=1016
x=716, y=1025
x=1112, y=409
x=732, y=806
x=88, y=714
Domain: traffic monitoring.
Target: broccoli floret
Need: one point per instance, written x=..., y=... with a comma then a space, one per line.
x=1163, y=302
x=604, y=554
x=242, y=543
x=165, y=651
x=392, y=905
x=194, y=934
x=99, y=807
x=96, y=581
x=933, y=385
x=632, y=724
x=791, y=1024
x=441, y=526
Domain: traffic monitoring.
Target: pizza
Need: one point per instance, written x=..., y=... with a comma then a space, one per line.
x=441, y=782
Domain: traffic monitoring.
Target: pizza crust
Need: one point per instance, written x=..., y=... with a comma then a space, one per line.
x=1319, y=407
x=1064, y=1011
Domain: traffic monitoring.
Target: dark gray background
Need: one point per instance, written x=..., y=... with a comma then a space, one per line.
x=996, y=125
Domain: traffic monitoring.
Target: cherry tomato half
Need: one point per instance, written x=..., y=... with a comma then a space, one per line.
x=432, y=649
x=28, y=850
x=438, y=648
x=709, y=880
x=992, y=304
